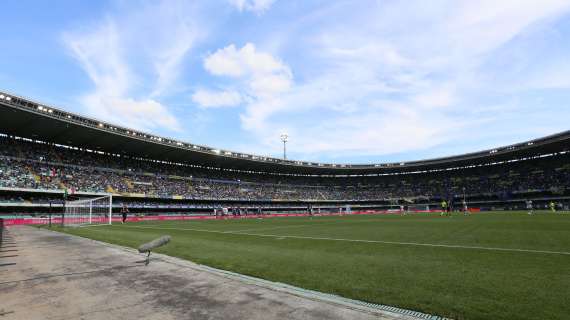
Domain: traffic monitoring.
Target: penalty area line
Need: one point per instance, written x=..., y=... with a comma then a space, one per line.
x=419, y=244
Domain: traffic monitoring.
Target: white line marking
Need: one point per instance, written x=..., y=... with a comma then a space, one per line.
x=316, y=224
x=360, y=240
x=93, y=225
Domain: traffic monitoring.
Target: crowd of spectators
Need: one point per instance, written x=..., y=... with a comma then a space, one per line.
x=32, y=165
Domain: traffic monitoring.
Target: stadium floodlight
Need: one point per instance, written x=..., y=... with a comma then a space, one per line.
x=1, y=96
x=7, y=98
x=284, y=138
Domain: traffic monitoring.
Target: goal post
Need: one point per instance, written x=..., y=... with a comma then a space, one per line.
x=95, y=211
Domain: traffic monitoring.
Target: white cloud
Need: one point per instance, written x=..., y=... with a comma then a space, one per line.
x=334, y=111
x=369, y=133
x=146, y=113
x=371, y=77
x=118, y=55
x=100, y=54
x=263, y=75
x=398, y=80
x=226, y=62
x=168, y=61
x=377, y=50
x=262, y=78
x=472, y=21
x=216, y=99
x=257, y=6
x=233, y=62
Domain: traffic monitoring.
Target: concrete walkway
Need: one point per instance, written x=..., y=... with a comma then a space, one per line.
x=48, y=275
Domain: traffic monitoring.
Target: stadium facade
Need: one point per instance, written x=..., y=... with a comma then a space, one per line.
x=48, y=152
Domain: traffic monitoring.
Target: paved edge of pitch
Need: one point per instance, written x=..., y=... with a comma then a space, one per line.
x=353, y=304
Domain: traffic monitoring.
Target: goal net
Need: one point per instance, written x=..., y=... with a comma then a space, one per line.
x=418, y=207
x=88, y=211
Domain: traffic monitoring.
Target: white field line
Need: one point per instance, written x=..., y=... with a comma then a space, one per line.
x=362, y=241
x=316, y=224
x=93, y=225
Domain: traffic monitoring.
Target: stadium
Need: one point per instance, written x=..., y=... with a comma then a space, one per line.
x=64, y=170
x=48, y=153
x=295, y=160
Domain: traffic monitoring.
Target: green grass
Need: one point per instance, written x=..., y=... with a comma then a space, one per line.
x=460, y=283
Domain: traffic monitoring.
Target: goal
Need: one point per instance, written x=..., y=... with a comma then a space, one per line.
x=88, y=211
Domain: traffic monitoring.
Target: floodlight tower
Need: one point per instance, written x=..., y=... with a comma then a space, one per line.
x=284, y=138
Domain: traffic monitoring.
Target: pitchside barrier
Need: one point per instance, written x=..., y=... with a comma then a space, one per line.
x=40, y=221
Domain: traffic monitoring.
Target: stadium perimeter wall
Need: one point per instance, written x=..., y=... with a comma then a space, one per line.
x=57, y=220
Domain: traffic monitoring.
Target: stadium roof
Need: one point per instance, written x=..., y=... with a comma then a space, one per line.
x=26, y=118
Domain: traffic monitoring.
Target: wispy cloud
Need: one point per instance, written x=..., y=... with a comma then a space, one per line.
x=216, y=99
x=349, y=78
x=261, y=77
x=119, y=54
x=398, y=80
x=257, y=6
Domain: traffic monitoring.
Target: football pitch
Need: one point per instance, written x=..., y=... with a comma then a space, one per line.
x=484, y=266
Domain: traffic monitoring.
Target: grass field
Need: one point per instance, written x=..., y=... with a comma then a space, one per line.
x=483, y=266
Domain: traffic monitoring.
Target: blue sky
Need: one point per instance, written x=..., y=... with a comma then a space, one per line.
x=349, y=81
